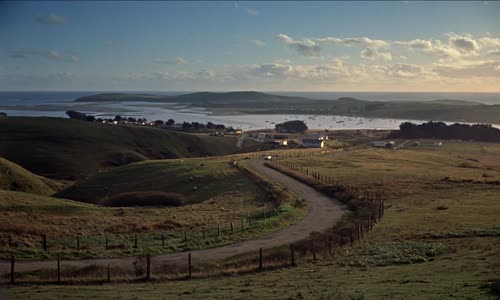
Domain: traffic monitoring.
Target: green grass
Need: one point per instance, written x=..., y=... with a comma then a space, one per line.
x=14, y=177
x=197, y=179
x=72, y=149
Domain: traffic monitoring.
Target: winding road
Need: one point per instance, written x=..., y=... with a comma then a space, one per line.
x=324, y=213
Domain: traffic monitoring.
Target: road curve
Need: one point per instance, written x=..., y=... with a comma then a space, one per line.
x=324, y=213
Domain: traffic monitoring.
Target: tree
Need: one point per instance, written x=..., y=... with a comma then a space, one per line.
x=158, y=122
x=186, y=126
x=170, y=122
x=131, y=120
x=294, y=126
x=72, y=114
x=118, y=118
x=90, y=118
x=2, y=114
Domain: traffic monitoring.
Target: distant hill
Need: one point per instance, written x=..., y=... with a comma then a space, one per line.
x=200, y=98
x=262, y=103
x=71, y=149
x=15, y=178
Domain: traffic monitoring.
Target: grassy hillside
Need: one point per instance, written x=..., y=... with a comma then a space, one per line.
x=225, y=197
x=72, y=149
x=262, y=103
x=15, y=178
x=197, y=179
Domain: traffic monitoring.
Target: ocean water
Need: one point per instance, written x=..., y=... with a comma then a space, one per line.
x=55, y=104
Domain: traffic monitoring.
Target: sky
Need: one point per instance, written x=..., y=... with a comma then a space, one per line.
x=407, y=46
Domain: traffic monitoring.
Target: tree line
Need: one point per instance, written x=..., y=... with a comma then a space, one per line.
x=143, y=121
x=440, y=130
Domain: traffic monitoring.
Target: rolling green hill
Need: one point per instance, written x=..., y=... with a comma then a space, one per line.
x=262, y=103
x=197, y=179
x=15, y=178
x=72, y=149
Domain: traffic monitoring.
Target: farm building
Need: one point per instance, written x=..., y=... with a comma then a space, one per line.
x=382, y=144
x=280, y=143
x=313, y=143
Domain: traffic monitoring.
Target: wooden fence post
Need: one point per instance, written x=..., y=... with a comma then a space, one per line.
x=12, y=263
x=58, y=269
x=109, y=273
x=44, y=242
x=185, y=237
x=204, y=234
x=292, y=252
x=218, y=230
x=77, y=243
x=189, y=265
x=10, y=241
x=260, y=259
x=232, y=227
x=148, y=266
x=106, y=242
x=314, y=249
x=135, y=241
x=162, y=239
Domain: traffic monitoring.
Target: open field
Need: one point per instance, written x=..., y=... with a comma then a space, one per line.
x=439, y=237
x=71, y=149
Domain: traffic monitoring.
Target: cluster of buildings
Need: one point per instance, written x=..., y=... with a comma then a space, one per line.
x=307, y=141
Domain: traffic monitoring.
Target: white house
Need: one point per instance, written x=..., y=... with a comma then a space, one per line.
x=382, y=144
x=313, y=143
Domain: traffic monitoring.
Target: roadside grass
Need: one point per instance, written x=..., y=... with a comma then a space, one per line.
x=26, y=217
x=466, y=273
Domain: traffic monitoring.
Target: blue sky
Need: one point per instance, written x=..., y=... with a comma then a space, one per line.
x=296, y=46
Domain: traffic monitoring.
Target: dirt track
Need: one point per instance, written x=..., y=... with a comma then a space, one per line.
x=324, y=213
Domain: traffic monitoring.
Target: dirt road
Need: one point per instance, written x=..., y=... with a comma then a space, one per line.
x=324, y=213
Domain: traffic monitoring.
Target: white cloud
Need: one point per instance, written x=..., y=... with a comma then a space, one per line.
x=464, y=44
x=404, y=70
x=351, y=42
x=494, y=52
x=374, y=54
x=181, y=61
x=252, y=12
x=490, y=42
x=51, y=19
x=258, y=43
x=469, y=70
x=335, y=69
x=305, y=47
x=456, y=46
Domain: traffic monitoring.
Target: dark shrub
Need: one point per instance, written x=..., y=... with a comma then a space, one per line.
x=143, y=199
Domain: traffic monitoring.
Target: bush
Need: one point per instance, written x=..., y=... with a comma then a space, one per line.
x=143, y=199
